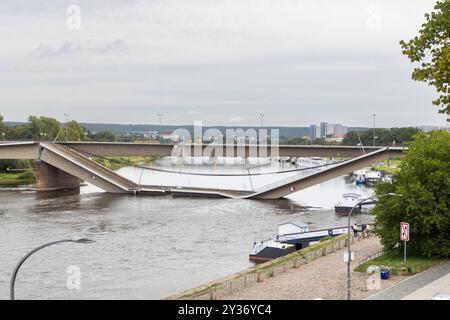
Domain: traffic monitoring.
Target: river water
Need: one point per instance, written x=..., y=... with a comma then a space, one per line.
x=150, y=247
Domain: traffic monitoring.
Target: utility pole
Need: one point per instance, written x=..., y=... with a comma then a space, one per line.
x=160, y=125
x=374, y=137
x=262, y=119
x=66, y=125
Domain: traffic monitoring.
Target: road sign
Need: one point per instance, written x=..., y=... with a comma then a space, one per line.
x=404, y=231
x=352, y=256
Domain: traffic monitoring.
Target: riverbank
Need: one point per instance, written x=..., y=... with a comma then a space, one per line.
x=392, y=166
x=116, y=163
x=323, y=277
x=11, y=180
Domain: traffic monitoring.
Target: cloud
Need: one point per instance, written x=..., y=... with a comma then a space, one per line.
x=298, y=61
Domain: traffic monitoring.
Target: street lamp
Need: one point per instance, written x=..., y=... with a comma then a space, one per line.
x=349, y=258
x=160, y=115
x=16, y=269
x=262, y=119
x=374, y=137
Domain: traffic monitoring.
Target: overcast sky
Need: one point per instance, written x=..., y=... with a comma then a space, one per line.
x=219, y=61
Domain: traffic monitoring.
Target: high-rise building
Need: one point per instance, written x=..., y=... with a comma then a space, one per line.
x=327, y=130
x=323, y=130
x=314, y=132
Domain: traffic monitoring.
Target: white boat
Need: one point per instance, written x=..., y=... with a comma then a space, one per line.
x=360, y=176
x=361, y=172
x=373, y=177
x=270, y=249
x=310, y=162
x=291, y=237
x=346, y=204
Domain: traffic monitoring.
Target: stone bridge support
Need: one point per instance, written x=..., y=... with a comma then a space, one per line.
x=50, y=178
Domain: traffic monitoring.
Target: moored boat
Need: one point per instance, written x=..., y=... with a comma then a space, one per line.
x=345, y=205
x=372, y=177
x=291, y=237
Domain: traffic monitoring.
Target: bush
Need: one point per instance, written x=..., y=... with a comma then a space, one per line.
x=326, y=238
x=27, y=175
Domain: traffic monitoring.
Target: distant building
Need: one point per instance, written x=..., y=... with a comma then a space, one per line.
x=329, y=130
x=169, y=136
x=336, y=138
x=433, y=128
x=323, y=130
x=314, y=132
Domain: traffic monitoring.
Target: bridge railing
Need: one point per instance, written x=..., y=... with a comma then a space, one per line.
x=96, y=166
x=287, y=180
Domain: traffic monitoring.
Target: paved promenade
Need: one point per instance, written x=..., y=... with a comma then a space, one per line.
x=422, y=286
x=323, y=278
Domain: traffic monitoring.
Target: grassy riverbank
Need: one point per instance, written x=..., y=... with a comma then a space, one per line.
x=17, y=179
x=115, y=163
x=392, y=166
x=395, y=262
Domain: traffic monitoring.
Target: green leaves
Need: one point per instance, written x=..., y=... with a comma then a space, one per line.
x=424, y=182
x=431, y=48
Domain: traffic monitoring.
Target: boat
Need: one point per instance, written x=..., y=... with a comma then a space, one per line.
x=270, y=249
x=372, y=177
x=291, y=237
x=345, y=205
x=302, y=237
x=360, y=177
x=310, y=162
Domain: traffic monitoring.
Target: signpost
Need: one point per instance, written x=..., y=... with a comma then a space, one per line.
x=404, y=234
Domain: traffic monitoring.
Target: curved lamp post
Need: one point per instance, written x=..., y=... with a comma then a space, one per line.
x=16, y=269
x=349, y=258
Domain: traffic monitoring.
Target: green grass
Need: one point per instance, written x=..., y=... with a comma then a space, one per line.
x=115, y=163
x=394, y=166
x=17, y=179
x=395, y=262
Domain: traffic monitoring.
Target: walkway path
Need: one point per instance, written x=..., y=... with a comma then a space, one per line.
x=323, y=278
x=419, y=287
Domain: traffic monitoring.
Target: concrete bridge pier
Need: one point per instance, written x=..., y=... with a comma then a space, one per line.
x=50, y=178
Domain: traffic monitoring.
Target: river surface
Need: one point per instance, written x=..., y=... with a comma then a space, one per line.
x=150, y=247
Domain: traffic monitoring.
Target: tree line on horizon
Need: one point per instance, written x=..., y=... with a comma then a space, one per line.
x=49, y=129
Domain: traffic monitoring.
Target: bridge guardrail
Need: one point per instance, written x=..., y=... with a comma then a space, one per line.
x=96, y=166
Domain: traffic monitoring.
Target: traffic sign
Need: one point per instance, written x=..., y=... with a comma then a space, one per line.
x=404, y=231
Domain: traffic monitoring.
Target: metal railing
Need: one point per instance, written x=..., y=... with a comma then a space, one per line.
x=240, y=281
x=95, y=166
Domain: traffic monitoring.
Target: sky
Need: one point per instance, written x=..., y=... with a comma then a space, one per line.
x=222, y=62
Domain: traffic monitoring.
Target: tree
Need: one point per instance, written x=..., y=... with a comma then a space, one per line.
x=103, y=136
x=3, y=128
x=42, y=128
x=294, y=141
x=431, y=49
x=73, y=131
x=385, y=137
x=424, y=182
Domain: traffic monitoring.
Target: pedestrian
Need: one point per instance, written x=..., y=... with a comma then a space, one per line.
x=355, y=230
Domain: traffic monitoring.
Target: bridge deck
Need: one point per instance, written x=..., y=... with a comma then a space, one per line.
x=190, y=191
x=81, y=166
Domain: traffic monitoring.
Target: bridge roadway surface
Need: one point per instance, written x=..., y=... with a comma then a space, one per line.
x=77, y=164
x=117, y=149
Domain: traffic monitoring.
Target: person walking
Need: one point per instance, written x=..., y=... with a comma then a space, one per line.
x=355, y=230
